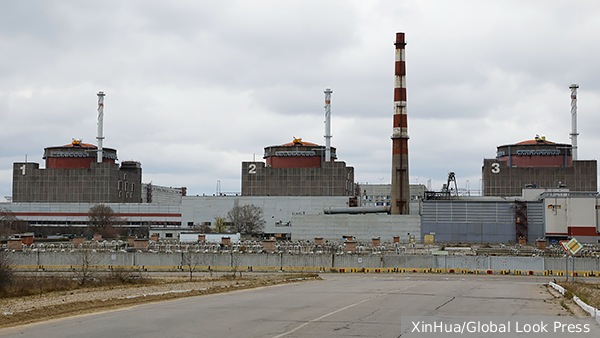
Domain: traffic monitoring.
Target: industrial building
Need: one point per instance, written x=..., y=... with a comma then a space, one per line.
x=53, y=218
x=79, y=173
x=297, y=168
x=540, y=163
x=152, y=193
x=73, y=176
x=536, y=163
x=300, y=168
x=532, y=190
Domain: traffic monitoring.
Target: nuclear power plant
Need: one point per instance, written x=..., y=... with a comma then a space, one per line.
x=531, y=190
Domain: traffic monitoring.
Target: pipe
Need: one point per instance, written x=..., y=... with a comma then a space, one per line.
x=356, y=210
x=100, y=136
x=574, y=121
x=328, y=135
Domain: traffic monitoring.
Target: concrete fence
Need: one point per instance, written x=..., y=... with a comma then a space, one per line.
x=308, y=262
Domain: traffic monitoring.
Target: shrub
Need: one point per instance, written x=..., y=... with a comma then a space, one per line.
x=6, y=272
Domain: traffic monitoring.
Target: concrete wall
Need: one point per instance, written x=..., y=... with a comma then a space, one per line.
x=327, y=261
x=98, y=184
x=501, y=180
x=581, y=264
x=330, y=179
x=362, y=227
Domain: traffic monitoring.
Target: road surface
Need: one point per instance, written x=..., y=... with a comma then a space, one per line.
x=358, y=305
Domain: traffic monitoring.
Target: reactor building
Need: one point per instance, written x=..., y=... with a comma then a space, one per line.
x=298, y=168
x=72, y=175
x=539, y=163
x=536, y=163
x=79, y=173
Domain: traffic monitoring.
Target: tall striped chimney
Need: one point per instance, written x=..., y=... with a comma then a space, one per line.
x=100, y=136
x=400, y=194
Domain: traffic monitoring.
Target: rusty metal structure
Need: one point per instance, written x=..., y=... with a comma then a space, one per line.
x=521, y=220
x=400, y=194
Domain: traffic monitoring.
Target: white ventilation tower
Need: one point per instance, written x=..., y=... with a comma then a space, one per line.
x=100, y=136
x=574, y=132
x=328, y=135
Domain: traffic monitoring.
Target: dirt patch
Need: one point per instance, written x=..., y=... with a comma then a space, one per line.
x=571, y=308
x=25, y=310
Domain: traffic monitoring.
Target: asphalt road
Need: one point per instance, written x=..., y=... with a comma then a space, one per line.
x=360, y=305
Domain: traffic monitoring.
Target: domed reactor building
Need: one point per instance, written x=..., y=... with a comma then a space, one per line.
x=298, y=168
x=536, y=163
x=73, y=175
x=79, y=173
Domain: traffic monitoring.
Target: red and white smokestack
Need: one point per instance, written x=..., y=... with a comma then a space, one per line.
x=400, y=194
x=100, y=136
x=328, y=135
x=574, y=132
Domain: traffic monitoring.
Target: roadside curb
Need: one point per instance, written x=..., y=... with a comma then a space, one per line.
x=595, y=313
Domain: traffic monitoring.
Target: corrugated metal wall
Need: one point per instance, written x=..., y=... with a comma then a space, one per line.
x=478, y=221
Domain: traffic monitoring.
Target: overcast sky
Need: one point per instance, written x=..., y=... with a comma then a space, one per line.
x=193, y=88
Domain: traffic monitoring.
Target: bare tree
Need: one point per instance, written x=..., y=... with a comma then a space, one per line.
x=203, y=228
x=236, y=260
x=6, y=271
x=102, y=220
x=83, y=263
x=192, y=262
x=247, y=219
x=235, y=217
x=8, y=222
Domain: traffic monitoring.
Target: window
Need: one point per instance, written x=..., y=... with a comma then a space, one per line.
x=120, y=185
x=169, y=235
x=190, y=224
x=126, y=186
x=132, y=186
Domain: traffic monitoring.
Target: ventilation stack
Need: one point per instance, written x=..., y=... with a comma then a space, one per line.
x=100, y=136
x=328, y=135
x=574, y=132
x=400, y=195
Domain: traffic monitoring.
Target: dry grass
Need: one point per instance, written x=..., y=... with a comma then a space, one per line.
x=588, y=292
x=39, y=284
x=103, y=301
